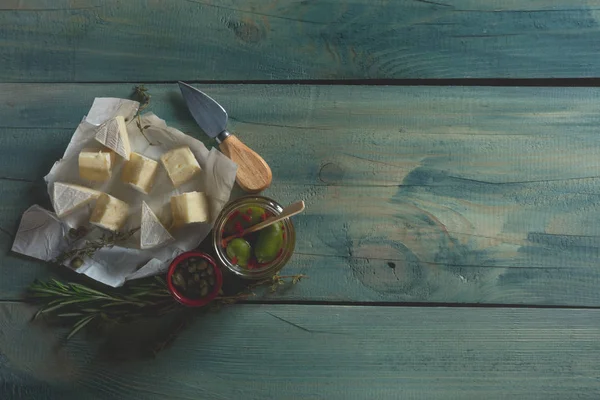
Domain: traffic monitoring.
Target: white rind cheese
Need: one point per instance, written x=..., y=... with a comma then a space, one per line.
x=113, y=134
x=67, y=197
x=152, y=232
x=189, y=208
x=181, y=165
x=139, y=172
x=110, y=213
x=96, y=165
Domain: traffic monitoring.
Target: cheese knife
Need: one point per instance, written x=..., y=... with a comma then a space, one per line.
x=253, y=174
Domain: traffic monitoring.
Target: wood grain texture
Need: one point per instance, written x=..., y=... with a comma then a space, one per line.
x=320, y=352
x=123, y=41
x=460, y=195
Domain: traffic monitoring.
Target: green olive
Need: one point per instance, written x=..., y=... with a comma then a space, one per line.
x=270, y=241
x=244, y=217
x=239, y=252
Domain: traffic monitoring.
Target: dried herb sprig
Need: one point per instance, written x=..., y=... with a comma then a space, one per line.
x=276, y=281
x=90, y=247
x=140, y=92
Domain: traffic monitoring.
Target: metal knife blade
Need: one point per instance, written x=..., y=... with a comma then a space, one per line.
x=253, y=173
x=209, y=114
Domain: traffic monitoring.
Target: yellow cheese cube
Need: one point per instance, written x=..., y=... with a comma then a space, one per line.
x=181, y=165
x=140, y=172
x=188, y=208
x=110, y=213
x=96, y=165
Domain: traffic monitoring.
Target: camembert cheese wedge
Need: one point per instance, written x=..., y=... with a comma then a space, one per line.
x=152, y=232
x=110, y=213
x=67, y=197
x=188, y=208
x=113, y=134
x=139, y=172
x=181, y=165
x=96, y=165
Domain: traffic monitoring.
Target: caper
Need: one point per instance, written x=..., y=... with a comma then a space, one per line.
x=192, y=268
x=178, y=280
x=211, y=280
x=76, y=262
x=204, y=291
x=211, y=272
x=203, y=265
x=197, y=277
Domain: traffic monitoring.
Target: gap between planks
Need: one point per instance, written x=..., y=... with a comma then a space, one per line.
x=399, y=304
x=493, y=82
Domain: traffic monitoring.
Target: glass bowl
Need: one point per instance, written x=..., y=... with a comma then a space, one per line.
x=238, y=208
x=181, y=297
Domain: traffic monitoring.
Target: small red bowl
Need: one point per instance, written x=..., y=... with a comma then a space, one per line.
x=185, y=300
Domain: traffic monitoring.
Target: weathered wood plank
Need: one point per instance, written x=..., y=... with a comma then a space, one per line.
x=112, y=40
x=318, y=352
x=414, y=193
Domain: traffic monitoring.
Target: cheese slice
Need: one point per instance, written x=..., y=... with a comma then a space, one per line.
x=152, y=232
x=181, y=165
x=96, y=165
x=139, y=172
x=67, y=197
x=110, y=213
x=113, y=134
x=188, y=208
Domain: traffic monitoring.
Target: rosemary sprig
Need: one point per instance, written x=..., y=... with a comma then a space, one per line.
x=81, y=305
x=109, y=240
x=141, y=94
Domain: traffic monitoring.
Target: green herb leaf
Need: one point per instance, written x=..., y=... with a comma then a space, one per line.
x=80, y=325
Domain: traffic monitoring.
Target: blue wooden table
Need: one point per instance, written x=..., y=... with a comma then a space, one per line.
x=449, y=155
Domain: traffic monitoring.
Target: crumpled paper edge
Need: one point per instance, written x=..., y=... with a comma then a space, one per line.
x=103, y=267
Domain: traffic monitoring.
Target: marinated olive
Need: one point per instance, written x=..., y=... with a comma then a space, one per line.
x=244, y=218
x=269, y=243
x=239, y=252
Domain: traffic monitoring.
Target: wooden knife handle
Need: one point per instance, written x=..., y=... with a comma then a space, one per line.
x=253, y=174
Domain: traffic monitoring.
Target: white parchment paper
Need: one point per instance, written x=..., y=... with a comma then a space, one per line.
x=43, y=235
